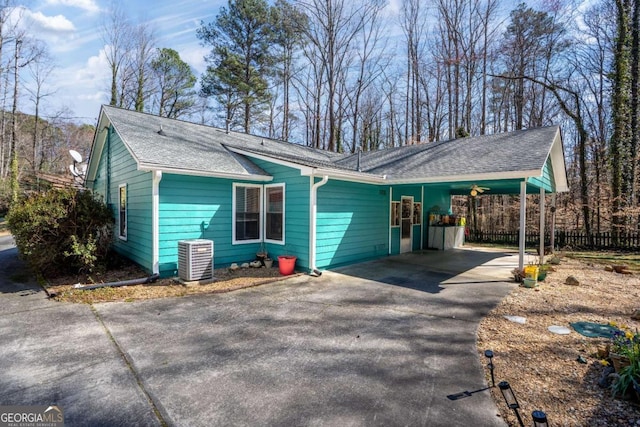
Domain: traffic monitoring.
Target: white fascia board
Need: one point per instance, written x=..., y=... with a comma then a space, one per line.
x=178, y=171
x=304, y=170
x=350, y=176
x=559, y=165
x=99, y=138
x=492, y=176
x=314, y=171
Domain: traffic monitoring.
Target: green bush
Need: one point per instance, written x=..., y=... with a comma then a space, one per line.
x=62, y=231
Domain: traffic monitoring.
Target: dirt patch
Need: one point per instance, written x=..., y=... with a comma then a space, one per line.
x=542, y=367
x=226, y=280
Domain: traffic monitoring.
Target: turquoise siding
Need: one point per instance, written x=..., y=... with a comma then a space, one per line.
x=123, y=169
x=297, y=217
x=194, y=207
x=547, y=181
x=353, y=223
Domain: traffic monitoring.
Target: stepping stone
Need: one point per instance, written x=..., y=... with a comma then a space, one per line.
x=560, y=330
x=516, y=319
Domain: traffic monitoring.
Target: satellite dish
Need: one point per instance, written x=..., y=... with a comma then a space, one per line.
x=76, y=156
x=73, y=171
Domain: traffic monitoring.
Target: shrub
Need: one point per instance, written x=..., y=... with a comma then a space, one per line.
x=62, y=231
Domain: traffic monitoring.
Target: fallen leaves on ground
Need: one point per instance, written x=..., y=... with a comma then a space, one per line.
x=543, y=368
x=226, y=280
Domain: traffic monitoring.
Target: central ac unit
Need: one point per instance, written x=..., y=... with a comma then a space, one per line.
x=195, y=259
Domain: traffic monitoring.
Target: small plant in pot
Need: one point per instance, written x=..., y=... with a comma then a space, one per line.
x=518, y=274
x=627, y=345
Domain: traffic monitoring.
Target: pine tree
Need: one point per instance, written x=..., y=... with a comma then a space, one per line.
x=241, y=58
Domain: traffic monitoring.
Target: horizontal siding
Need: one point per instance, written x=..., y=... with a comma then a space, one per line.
x=296, y=228
x=195, y=208
x=353, y=223
x=547, y=180
x=123, y=167
x=201, y=208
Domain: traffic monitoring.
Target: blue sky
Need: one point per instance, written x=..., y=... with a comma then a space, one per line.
x=71, y=29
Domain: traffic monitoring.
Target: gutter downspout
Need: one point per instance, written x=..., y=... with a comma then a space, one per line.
x=313, y=222
x=155, y=220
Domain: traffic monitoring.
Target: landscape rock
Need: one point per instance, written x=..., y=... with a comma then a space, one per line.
x=636, y=314
x=572, y=281
x=606, y=379
x=622, y=269
x=608, y=268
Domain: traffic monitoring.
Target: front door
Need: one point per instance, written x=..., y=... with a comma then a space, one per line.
x=406, y=225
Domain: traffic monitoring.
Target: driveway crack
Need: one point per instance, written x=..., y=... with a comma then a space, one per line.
x=129, y=363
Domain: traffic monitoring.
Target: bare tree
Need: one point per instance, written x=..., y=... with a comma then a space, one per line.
x=331, y=31
x=117, y=34
x=40, y=70
x=142, y=52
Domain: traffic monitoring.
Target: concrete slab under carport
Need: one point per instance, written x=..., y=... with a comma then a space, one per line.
x=353, y=347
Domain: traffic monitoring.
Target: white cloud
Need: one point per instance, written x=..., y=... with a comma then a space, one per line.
x=83, y=86
x=88, y=5
x=50, y=24
x=194, y=56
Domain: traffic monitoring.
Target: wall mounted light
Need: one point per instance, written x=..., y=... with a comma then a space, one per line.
x=510, y=399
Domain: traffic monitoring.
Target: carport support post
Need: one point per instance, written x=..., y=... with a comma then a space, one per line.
x=523, y=221
x=541, y=254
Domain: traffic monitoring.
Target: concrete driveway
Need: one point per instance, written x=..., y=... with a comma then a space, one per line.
x=379, y=343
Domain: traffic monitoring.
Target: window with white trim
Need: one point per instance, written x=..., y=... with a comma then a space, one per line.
x=122, y=211
x=247, y=200
x=274, y=213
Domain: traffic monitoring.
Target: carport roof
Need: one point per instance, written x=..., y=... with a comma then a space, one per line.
x=502, y=160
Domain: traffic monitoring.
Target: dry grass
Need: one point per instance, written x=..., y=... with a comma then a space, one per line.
x=542, y=367
x=226, y=280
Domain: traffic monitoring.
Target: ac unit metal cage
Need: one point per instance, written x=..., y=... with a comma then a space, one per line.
x=195, y=259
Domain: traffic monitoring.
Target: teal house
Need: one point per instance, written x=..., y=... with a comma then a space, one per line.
x=167, y=180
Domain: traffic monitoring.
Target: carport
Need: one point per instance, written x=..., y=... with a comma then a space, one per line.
x=540, y=171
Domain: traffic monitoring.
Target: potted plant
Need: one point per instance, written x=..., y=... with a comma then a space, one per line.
x=627, y=379
x=625, y=347
x=262, y=254
x=544, y=270
x=531, y=271
x=518, y=274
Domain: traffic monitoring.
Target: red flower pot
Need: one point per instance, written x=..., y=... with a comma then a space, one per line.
x=286, y=264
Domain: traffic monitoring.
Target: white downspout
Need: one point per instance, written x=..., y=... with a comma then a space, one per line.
x=155, y=220
x=314, y=221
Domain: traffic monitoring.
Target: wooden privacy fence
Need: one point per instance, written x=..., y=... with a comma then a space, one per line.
x=563, y=239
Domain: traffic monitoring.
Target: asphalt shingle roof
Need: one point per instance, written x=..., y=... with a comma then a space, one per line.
x=205, y=149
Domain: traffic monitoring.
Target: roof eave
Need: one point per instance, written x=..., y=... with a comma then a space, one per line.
x=145, y=167
x=558, y=164
x=97, y=146
x=521, y=175
x=304, y=170
x=348, y=176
